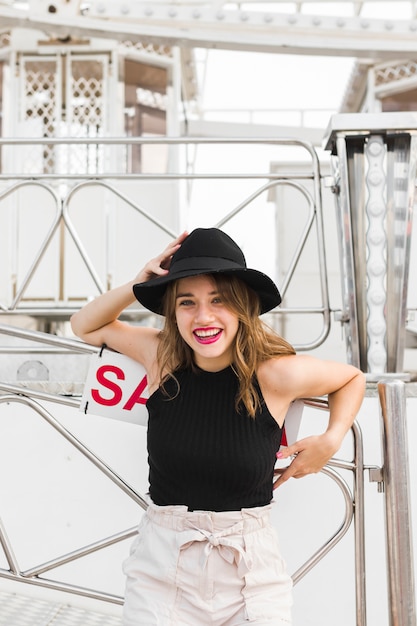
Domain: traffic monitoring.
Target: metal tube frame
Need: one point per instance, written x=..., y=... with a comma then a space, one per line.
x=375, y=164
x=108, y=182
x=354, y=504
x=401, y=584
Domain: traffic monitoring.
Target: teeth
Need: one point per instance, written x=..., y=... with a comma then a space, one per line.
x=207, y=333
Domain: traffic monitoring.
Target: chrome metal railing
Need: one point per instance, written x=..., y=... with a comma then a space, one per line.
x=66, y=188
x=354, y=502
x=399, y=545
x=393, y=478
x=63, y=188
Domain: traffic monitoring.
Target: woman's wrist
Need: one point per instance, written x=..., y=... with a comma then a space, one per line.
x=334, y=438
x=142, y=277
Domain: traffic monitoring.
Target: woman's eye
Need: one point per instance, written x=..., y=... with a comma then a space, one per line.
x=217, y=300
x=185, y=303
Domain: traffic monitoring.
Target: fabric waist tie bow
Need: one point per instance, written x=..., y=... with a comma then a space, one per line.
x=229, y=547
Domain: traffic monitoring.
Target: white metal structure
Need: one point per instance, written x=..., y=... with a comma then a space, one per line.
x=274, y=26
x=103, y=122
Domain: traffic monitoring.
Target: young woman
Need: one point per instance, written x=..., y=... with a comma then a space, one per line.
x=221, y=383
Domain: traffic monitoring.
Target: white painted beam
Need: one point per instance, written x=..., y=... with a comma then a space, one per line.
x=231, y=30
x=206, y=128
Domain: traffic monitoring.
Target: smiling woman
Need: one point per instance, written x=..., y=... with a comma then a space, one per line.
x=221, y=383
x=205, y=323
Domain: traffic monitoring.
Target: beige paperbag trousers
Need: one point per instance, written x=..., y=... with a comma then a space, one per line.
x=203, y=568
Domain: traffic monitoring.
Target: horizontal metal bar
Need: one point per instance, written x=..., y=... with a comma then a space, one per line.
x=153, y=176
x=81, y=552
x=65, y=313
x=153, y=140
x=340, y=464
x=317, y=403
x=60, y=586
x=18, y=390
x=133, y=313
x=39, y=350
x=40, y=337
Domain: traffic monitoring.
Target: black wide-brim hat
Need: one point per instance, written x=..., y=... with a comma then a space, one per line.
x=207, y=251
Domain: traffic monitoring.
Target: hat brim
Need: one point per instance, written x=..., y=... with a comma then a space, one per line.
x=150, y=294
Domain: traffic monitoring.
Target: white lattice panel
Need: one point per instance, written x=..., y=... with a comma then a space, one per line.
x=62, y=95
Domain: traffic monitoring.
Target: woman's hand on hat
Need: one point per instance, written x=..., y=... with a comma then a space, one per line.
x=308, y=456
x=159, y=265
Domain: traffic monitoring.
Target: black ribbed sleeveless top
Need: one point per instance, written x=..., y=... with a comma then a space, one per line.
x=204, y=454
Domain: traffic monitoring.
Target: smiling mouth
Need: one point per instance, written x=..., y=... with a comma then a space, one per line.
x=207, y=335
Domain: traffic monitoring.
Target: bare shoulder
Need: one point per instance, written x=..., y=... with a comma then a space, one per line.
x=294, y=365
x=303, y=375
x=276, y=373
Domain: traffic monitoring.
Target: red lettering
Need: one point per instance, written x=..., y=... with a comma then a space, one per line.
x=108, y=384
x=136, y=397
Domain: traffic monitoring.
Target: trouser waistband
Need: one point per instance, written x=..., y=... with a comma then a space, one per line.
x=221, y=530
x=178, y=518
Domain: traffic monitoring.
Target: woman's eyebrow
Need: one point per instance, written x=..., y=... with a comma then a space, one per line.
x=189, y=294
x=183, y=295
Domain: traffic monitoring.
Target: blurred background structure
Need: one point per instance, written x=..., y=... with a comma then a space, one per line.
x=291, y=125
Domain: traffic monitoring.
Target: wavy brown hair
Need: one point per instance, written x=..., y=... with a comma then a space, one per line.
x=254, y=343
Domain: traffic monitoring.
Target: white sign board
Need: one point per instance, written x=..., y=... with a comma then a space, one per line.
x=292, y=423
x=116, y=387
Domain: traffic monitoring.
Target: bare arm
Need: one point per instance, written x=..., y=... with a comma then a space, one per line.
x=97, y=322
x=345, y=386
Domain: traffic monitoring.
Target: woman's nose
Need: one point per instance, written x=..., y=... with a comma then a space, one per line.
x=203, y=313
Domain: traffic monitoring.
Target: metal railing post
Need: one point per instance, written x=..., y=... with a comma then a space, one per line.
x=401, y=590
